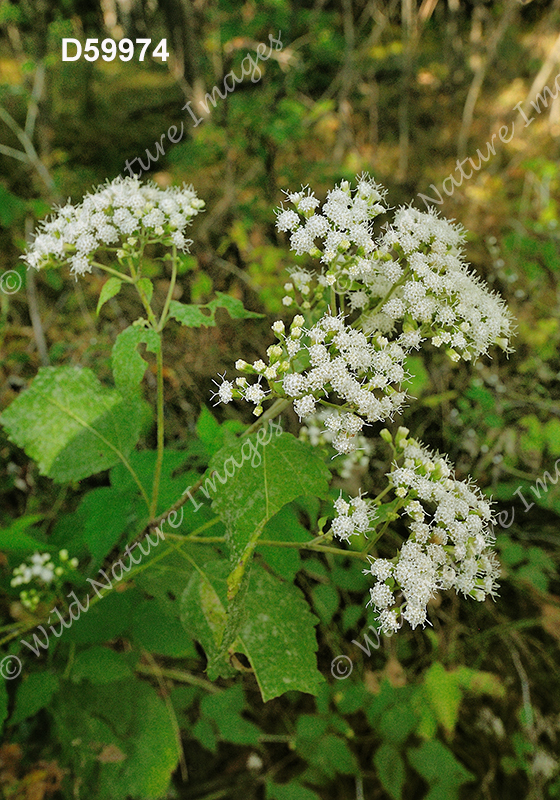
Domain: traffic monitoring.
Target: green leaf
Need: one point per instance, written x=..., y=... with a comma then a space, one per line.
x=160, y=633
x=289, y=791
x=196, y=316
x=390, y=770
x=397, y=723
x=325, y=602
x=72, y=425
x=257, y=476
x=276, y=633
x=128, y=746
x=309, y=728
x=128, y=365
x=34, y=693
x=443, y=694
x=208, y=430
x=11, y=206
x=205, y=732
x=192, y=316
x=284, y=527
x=233, y=306
x=106, y=515
x=224, y=710
x=172, y=485
x=15, y=539
x=166, y=580
x=203, y=607
x=440, y=769
x=552, y=433
x=331, y=756
x=419, y=377
x=100, y=665
x=109, y=289
x=109, y=618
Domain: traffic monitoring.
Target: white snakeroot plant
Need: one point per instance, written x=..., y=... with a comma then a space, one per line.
x=341, y=362
x=360, y=302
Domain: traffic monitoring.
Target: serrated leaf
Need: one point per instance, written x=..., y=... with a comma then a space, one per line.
x=71, y=425
x=206, y=735
x=276, y=633
x=331, y=756
x=106, y=514
x=284, y=527
x=224, y=710
x=106, y=620
x=192, y=316
x=257, y=476
x=208, y=430
x=109, y=289
x=233, y=306
x=390, y=770
x=34, y=693
x=128, y=365
x=196, y=316
x=203, y=606
x=325, y=602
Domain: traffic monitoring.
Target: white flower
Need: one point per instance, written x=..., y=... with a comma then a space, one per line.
x=353, y=517
x=115, y=210
x=225, y=391
x=450, y=546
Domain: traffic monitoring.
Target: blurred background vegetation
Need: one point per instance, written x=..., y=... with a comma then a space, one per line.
x=471, y=706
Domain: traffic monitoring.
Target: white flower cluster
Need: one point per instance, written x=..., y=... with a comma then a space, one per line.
x=397, y=291
x=112, y=215
x=322, y=427
x=43, y=569
x=364, y=373
x=450, y=546
x=280, y=357
x=345, y=223
x=433, y=287
x=413, y=281
x=352, y=518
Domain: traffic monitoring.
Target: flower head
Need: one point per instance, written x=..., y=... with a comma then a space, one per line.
x=110, y=215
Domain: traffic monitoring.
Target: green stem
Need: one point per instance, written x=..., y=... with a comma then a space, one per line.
x=382, y=302
x=163, y=318
x=120, y=275
x=160, y=429
x=275, y=409
x=179, y=675
x=378, y=536
x=312, y=545
x=383, y=493
x=333, y=302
